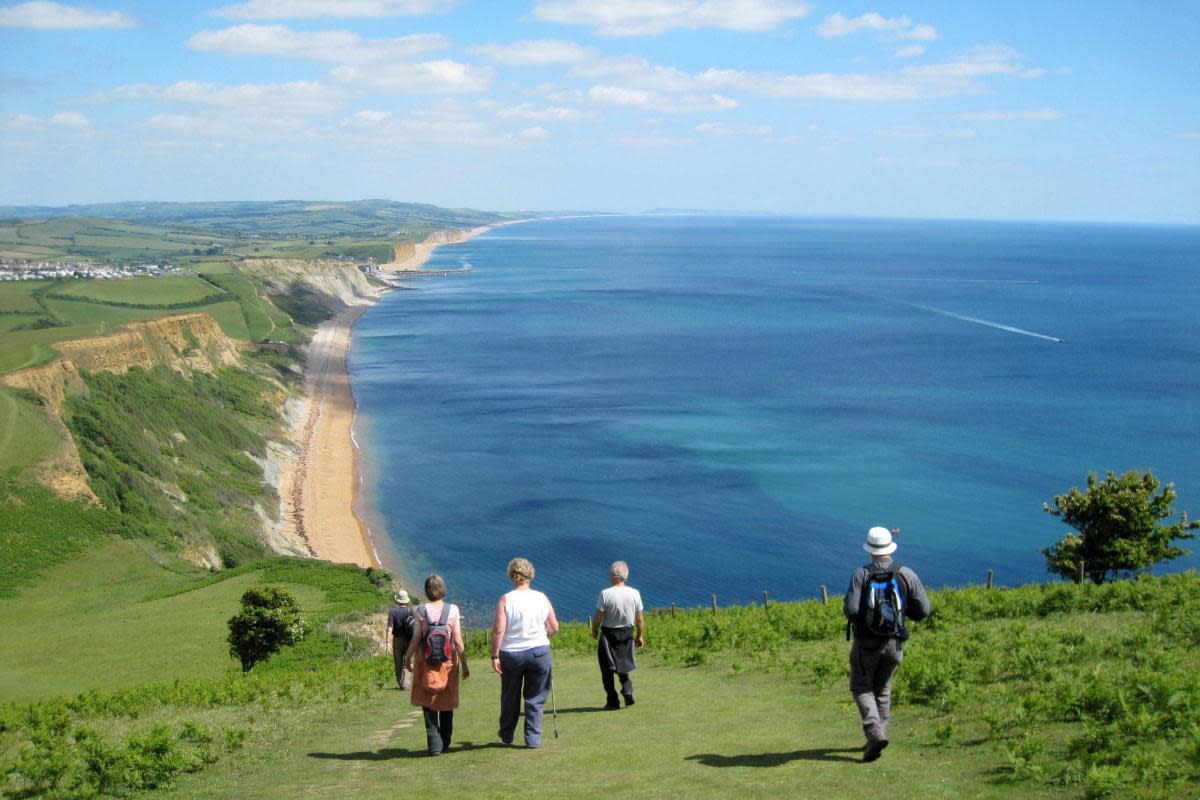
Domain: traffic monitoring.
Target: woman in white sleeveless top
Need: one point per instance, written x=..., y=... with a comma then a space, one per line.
x=521, y=634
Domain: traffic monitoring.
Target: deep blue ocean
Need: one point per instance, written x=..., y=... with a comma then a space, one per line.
x=729, y=403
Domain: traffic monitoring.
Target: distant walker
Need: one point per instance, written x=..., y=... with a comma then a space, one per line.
x=618, y=626
x=882, y=595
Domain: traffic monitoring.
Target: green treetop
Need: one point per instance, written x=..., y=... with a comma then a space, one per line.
x=1117, y=527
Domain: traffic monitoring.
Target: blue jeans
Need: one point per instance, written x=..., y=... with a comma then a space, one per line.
x=525, y=673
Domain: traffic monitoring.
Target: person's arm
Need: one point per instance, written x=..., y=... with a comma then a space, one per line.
x=918, y=601
x=460, y=647
x=640, y=622
x=499, y=626
x=551, y=620
x=853, y=594
x=596, y=623
x=387, y=635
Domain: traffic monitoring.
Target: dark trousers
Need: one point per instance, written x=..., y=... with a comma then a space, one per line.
x=871, y=672
x=525, y=674
x=610, y=689
x=399, y=647
x=439, y=727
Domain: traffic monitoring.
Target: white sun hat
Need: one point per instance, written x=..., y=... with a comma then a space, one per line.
x=879, y=542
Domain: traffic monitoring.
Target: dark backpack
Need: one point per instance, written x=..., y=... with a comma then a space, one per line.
x=438, y=639
x=881, y=606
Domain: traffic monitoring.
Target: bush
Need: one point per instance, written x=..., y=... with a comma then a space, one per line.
x=269, y=619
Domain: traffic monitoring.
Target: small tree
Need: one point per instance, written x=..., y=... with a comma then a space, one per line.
x=269, y=619
x=1116, y=526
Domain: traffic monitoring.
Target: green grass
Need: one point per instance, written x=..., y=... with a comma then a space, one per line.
x=257, y=320
x=18, y=296
x=113, y=620
x=105, y=318
x=1038, y=691
x=140, y=291
x=26, y=435
x=81, y=238
x=21, y=349
x=230, y=317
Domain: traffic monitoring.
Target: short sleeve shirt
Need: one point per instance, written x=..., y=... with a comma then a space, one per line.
x=620, y=605
x=398, y=621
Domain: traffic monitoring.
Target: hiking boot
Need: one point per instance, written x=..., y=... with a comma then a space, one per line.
x=874, y=749
x=628, y=700
x=612, y=705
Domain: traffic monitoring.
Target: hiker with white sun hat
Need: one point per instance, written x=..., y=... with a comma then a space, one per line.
x=882, y=596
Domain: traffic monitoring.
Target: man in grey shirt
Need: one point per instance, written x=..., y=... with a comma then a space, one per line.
x=618, y=626
x=875, y=656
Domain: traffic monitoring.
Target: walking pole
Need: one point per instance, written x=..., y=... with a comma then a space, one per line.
x=553, y=704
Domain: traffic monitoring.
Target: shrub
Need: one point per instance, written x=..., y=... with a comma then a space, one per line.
x=269, y=619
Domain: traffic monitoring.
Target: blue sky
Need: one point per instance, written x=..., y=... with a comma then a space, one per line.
x=1026, y=110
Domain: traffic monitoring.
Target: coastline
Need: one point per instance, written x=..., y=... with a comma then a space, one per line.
x=321, y=487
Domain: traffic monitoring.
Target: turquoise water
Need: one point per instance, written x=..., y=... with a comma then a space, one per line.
x=729, y=403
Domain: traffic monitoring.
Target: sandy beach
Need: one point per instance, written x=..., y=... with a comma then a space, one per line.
x=321, y=485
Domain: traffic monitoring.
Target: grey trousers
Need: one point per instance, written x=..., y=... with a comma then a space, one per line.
x=871, y=674
x=403, y=676
x=526, y=674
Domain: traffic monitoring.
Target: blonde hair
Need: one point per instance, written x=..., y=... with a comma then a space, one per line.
x=520, y=570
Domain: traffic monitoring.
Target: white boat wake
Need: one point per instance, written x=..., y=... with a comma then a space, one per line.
x=986, y=323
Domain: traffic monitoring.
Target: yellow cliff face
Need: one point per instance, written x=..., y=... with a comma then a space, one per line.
x=186, y=342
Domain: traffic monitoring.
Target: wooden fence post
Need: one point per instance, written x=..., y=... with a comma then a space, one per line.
x=672, y=609
x=989, y=582
x=714, y=603
x=765, y=608
x=824, y=595
x=1082, y=572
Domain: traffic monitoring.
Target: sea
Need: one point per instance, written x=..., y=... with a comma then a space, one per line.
x=729, y=403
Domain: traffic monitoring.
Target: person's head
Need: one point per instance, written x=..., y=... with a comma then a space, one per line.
x=435, y=587
x=879, y=543
x=520, y=571
x=618, y=572
x=402, y=598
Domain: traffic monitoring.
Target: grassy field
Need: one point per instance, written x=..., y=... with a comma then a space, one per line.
x=26, y=436
x=107, y=615
x=75, y=238
x=1051, y=690
x=18, y=296
x=258, y=321
x=140, y=291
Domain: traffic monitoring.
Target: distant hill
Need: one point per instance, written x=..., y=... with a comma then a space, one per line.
x=278, y=219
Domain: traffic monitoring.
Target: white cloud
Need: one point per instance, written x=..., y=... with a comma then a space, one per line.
x=962, y=75
x=920, y=33
x=911, y=51
x=56, y=16
x=1004, y=115
x=840, y=25
x=649, y=100
x=448, y=123
x=535, y=134
x=20, y=122
x=366, y=119
x=726, y=129
x=345, y=9
x=70, y=119
x=427, y=77
x=534, y=53
x=527, y=111
x=650, y=17
x=654, y=141
x=298, y=98
x=331, y=46
x=895, y=27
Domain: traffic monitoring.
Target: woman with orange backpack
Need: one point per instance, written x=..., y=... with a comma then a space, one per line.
x=439, y=658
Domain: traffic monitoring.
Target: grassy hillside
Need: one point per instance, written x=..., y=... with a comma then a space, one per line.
x=78, y=238
x=1062, y=690
x=277, y=219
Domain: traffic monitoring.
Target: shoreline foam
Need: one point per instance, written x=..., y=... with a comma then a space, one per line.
x=322, y=488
